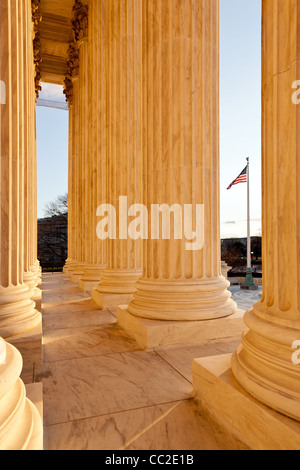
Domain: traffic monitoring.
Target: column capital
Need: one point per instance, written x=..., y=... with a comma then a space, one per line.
x=80, y=20
x=36, y=19
x=73, y=71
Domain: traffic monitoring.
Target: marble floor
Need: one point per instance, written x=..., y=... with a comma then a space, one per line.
x=245, y=299
x=101, y=391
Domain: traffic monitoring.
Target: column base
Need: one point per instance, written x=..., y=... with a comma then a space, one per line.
x=77, y=273
x=91, y=277
x=154, y=333
x=21, y=425
x=178, y=300
x=70, y=268
x=253, y=423
x=264, y=365
x=67, y=265
x=36, y=269
x=18, y=313
x=30, y=279
x=37, y=294
x=105, y=301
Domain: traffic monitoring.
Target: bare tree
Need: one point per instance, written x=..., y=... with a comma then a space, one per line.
x=57, y=207
x=52, y=233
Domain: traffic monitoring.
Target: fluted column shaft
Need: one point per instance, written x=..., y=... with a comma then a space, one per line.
x=82, y=165
x=71, y=194
x=263, y=364
x=181, y=159
x=124, y=144
x=96, y=157
x=31, y=274
x=17, y=310
x=74, y=195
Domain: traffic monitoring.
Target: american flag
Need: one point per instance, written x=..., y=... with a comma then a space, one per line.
x=242, y=178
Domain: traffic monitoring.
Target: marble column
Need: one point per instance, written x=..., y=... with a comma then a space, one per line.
x=21, y=426
x=263, y=365
x=28, y=143
x=74, y=194
x=71, y=261
x=17, y=310
x=181, y=161
x=124, y=147
x=96, y=156
x=81, y=164
x=35, y=266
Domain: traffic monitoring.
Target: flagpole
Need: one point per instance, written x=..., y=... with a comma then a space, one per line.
x=249, y=264
x=249, y=283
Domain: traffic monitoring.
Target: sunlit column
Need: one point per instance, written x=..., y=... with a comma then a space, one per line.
x=82, y=166
x=71, y=195
x=96, y=156
x=17, y=310
x=124, y=170
x=28, y=143
x=182, y=276
x=264, y=364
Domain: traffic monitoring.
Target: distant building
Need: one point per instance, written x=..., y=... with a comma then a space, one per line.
x=53, y=241
x=234, y=253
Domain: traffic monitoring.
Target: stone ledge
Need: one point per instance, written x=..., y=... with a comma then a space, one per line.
x=35, y=334
x=151, y=334
x=253, y=423
x=87, y=286
x=105, y=301
x=75, y=278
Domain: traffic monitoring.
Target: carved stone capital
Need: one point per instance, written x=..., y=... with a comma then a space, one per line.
x=73, y=70
x=36, y=19
x=80, y=21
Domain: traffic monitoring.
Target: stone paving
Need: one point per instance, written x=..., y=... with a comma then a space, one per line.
x=245, y=299
x=102, y=391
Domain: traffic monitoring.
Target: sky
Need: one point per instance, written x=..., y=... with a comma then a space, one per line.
x=240, y=123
